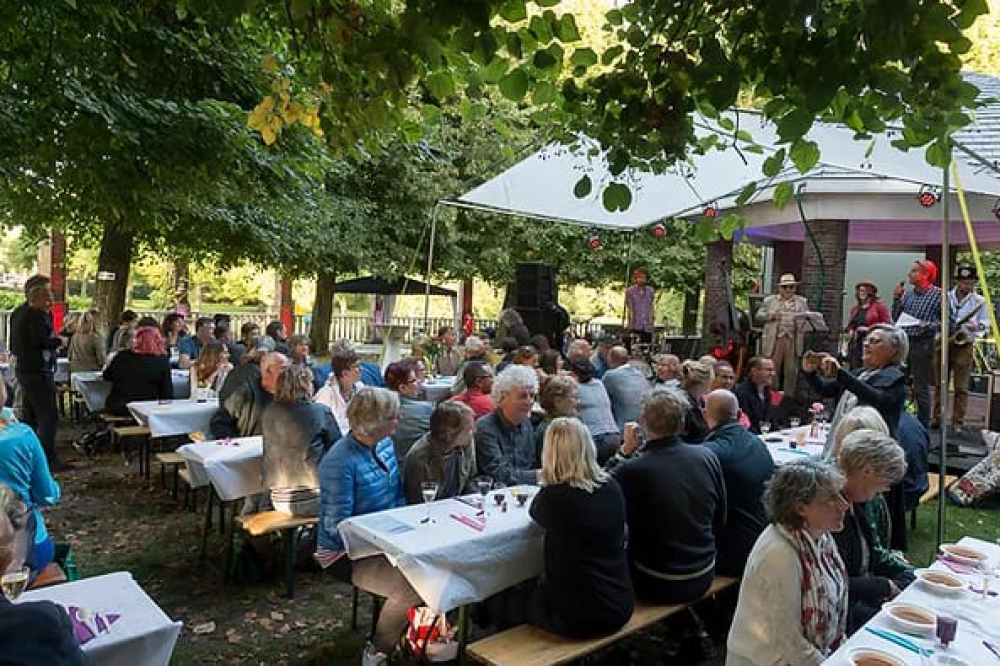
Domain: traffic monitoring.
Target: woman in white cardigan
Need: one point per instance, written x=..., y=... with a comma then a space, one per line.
x=793, y=599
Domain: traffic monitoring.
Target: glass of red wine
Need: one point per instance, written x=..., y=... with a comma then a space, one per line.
x=499, y=493
x=947, y=627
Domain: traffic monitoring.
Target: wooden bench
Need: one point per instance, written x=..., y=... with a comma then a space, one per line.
x=140, y=433
x=932, y=492
x=52, y=574
x=266, y=522
x=526, y=645
x=174, y=461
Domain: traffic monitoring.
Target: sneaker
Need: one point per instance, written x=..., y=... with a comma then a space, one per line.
x=372, y=658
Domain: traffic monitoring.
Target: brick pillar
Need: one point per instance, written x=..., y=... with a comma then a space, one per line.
x=823, y=285
x=52, y=262
x=787, y=259
x=718, y=263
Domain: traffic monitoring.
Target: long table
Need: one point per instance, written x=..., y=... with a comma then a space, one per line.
x=783, y=446
x=174, y=417
x=95, y=390
x=456, y=559
x=115, y=621
x=977, y=618
x=234, y=467
x=61, y=375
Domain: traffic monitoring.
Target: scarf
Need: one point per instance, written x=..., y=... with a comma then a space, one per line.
x=824, y=588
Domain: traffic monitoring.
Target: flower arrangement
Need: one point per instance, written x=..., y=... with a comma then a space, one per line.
x=817, y=409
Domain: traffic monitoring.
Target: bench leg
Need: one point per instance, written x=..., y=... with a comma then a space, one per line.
x=177, y=473
x=222, y=514
x=290, y=541
x=207, y=526
x=354, y=608
x=463, y=633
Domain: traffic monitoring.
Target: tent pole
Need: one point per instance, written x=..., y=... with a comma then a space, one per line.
x=946, y=406
x=628, y=276
x=430, y=264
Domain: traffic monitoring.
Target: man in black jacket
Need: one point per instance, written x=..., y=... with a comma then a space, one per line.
x=32, y=632
x=675, y=502
x=246, y=392
x=754, y=392
x=747, y=466
x=34, y=343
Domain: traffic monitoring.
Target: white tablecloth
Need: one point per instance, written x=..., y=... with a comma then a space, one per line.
x=438, y=389
x=62, y=370
x=779, y=445
x=141, y=635
x=174, y=417
x=977, y=619
x=449, y=563
x=234, y=467
x=95, y=390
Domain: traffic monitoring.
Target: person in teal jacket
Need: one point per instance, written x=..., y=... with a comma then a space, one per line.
x=360, y=475
x=24, y=468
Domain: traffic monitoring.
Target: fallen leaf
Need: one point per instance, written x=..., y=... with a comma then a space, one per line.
x=276, y=616
x=204, y=628
x=233, y=637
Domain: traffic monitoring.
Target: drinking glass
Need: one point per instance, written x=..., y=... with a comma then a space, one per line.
x=429, y=491
x=483, y=485
x=947, y=627
x=794, y=421
x=765, y=427
x=13, y=582
x=499, y=492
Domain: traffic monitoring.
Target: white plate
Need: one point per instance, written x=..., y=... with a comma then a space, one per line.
x=965, y=554
x=939, y=588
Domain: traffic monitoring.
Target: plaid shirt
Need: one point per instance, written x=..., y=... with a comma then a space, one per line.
x=924, y=305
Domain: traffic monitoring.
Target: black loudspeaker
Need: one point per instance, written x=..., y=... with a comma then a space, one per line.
x=535, y=286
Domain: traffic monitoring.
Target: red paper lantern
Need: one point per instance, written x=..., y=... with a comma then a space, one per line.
x=594, y=242
x=659, y=231
x=928, y=196
x=710, y=211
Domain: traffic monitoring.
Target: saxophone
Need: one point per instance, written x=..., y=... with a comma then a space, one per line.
x=962, y=337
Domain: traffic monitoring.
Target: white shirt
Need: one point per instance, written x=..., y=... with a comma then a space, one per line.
x=979, y=322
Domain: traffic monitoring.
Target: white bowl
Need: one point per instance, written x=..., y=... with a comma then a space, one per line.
x=963, y=554
x=873, y=657
x=940, y=582
x=911, y=618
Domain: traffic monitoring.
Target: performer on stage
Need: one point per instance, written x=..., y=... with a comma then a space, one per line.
x=969, y=321
x=783, y=338
x=639, y=306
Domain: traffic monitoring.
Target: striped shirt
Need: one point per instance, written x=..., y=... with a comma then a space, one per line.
x=972, y=309
x=923, y=305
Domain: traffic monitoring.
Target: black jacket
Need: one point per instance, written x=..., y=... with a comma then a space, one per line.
x=695, y=428
x=136, y=377
x=757, y=410
x=33, y=341
x=241, y=402
x=37, y=632
x=675, y=502
x=885, y=390
x=747, y=466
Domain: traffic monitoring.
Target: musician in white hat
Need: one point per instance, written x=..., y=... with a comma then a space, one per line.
x=783, y=338
x=969, y=321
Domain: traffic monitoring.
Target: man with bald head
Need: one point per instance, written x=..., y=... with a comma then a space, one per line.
x=746, y=467
x=36, y=632
x=246, y=392
x=625, y=385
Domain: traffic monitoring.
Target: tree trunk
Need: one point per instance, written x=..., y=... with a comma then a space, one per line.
x=689, y=318
x=182, y=286
x=116, y=257
x=322, y=314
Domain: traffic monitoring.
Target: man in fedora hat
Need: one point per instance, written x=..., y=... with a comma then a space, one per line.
x=782, y=337
x=969, y=320
x=867, y=312
x=922, y=303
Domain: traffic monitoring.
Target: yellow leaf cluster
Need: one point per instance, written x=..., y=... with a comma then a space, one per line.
x=270, y=116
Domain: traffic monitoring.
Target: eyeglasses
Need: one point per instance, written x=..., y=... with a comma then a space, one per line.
x=787, y=286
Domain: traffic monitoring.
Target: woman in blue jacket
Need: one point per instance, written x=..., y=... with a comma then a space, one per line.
x=360, y=475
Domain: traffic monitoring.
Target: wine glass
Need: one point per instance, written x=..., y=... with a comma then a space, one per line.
x=13, y=582
x=483, y=485
x=765, y=427
x=429, y=491
x=794, y=421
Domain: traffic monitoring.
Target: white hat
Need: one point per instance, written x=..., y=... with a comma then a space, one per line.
x=787, y=279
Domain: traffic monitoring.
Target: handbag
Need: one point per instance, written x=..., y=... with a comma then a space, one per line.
x=429, y=638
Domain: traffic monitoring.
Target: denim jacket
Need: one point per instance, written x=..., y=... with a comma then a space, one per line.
x=355, y=480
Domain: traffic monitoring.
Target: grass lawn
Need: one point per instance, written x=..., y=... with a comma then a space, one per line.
x=116, y=522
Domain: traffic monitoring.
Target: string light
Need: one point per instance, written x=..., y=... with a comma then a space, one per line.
x=659, y=230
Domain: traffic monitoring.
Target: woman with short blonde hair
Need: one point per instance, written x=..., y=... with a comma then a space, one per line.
x=584, y=590
x=696, y=380
x=87, y=349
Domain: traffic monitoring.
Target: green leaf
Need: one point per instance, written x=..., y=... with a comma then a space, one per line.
x=746, y=193
x=544, y=59
x=782, y=195
x=72, y=3
x=773, y=165
x=544, y=92
x=729, y=223
x=795, y=124
x=547, y=3
x=971, y=10
x=584, y=57
x=566, y=30
x=431, y=114
x=441, y=85
x=611, y=55
x=939, y=154
x=583, y=187
x=493, y=72
x=617, y=197
x=804, y=154
x=614, y=17
x=514, y=85
x=513, y=11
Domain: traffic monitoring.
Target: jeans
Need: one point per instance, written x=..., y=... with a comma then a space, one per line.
x=38, y=393
x=376, y=575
